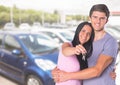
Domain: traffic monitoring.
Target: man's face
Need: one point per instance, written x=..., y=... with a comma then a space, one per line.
x=98, y=20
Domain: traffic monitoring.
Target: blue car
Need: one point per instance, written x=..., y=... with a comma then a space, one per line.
x=27, y=58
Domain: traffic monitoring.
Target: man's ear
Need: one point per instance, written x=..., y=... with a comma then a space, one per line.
x=107, y=20
x=90, y=19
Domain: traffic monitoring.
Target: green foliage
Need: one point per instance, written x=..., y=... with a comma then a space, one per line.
x=4, y=9
x=30, y=16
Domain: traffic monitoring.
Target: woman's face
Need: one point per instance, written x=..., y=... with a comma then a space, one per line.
x=85, y=34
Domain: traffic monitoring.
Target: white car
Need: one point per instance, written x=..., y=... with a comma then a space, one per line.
x=24, y=26
x=9, y=26
x=59, y=35
x=115, y=32
x=36, y=25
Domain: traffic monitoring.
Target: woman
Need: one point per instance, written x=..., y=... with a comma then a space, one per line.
x=83, y=37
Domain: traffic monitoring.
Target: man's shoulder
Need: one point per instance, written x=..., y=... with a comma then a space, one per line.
x=109, y=36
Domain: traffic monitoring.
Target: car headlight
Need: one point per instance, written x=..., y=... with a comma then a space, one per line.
x=45, y=64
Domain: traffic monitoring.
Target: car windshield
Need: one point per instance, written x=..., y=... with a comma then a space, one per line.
x=67, y=35
x=114, y=31
x=37, y=43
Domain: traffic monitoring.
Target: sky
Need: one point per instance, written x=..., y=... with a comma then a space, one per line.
x=66, y=6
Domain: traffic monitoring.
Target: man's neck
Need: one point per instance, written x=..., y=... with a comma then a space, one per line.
x=99, y=35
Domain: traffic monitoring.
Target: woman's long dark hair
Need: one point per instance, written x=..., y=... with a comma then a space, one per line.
x=88, y=45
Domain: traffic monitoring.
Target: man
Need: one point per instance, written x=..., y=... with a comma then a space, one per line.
x=102, y=60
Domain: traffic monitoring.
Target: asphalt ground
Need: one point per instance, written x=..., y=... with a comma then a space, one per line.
x=6, y=81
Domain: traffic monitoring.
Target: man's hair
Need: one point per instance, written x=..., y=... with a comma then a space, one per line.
x=100, y=8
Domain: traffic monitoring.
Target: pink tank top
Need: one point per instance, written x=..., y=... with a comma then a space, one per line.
x=68, y=64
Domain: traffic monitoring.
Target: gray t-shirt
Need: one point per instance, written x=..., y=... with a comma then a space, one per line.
x=108, y=46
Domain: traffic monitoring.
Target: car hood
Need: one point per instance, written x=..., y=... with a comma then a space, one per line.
x=47, y=62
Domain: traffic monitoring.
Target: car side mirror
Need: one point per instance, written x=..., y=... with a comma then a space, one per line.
x=16, y=52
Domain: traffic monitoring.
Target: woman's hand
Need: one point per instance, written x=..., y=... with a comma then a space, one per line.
x=113, y=74
x=80, y=49
x=54, y=74
x=59, y=75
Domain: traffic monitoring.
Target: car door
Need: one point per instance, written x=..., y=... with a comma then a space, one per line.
x=12, y=65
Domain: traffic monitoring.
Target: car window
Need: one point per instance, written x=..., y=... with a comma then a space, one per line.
x=114, y=31
x=67, y=35
x=1, y=37
x=11, y=43
x=54, y=36
x=37, y=43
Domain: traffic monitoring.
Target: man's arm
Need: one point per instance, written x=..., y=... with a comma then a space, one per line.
x=95, y=71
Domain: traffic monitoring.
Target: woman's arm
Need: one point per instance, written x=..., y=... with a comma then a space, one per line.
x=68, y=50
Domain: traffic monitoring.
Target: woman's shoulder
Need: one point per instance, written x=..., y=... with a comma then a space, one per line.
x=67, y=44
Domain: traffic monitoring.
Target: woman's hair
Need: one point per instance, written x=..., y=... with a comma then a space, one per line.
x=88, y=45
x=100, y=8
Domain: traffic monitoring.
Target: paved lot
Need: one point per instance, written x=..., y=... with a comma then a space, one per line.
x=4, y=81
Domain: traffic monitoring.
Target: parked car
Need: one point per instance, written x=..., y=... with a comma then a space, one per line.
x=9, y=26
x=27, y=58
x=59, y=35
x=36, y=25
x=24, y=26
x=114, y=31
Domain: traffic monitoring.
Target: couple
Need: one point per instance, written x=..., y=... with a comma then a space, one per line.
x=99, y=56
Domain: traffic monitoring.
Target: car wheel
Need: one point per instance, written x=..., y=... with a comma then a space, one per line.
x=33, y=80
